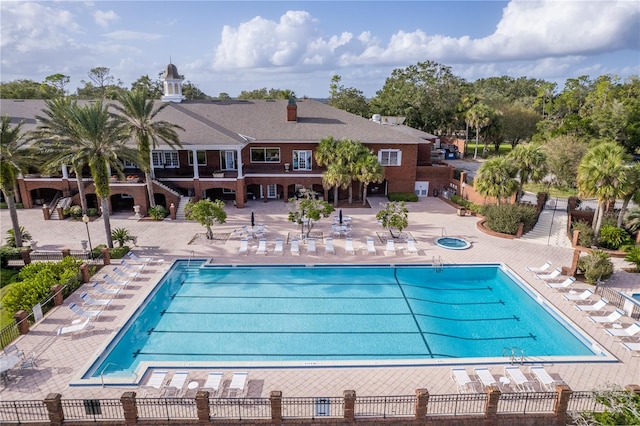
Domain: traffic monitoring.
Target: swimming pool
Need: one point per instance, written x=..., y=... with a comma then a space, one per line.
x=338, y=316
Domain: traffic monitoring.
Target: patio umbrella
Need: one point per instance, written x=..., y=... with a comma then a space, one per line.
x=253, y=220
x=340, y=216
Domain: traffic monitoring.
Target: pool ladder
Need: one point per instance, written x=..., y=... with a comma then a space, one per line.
x=438, y=263
x=516, y=355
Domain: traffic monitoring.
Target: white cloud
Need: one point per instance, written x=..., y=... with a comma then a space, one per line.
x=104, y=18
x=131, y=35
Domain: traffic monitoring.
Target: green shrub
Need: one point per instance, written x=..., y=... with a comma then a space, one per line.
x=11, y=240
x=118, y=252
x=7, y=276
x=612, y=237
x=505, y=218
x=92, y=212
x=403, y=196
x=121, y=235
x=586, y=238
x=633, y=256
x=158, y=212
x=75, y=211
x=4, y=205
x=596, y=266
x=8, y=253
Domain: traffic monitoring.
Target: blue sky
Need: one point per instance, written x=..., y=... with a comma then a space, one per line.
x=230, y=46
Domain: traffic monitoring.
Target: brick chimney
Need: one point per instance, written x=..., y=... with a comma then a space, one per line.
x=292, y=110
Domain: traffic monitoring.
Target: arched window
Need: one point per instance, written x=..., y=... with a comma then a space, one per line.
x=170, y=86
x=177, y=89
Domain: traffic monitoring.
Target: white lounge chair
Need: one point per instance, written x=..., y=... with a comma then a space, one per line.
x=133, y=258
x=155, y=382
x=463, y=381
x=131, y=267
x=564, y=284
x=295, y=246
x=624, y=333
x=522, y=383
x=82, y=313
x=411, y=246
x=485, y=377
x=174, y=388
x=213, y=382
x=546, y=381
x=105, y=291
x=594, y=307
x=111, y=281
x=74, y=328
x=279, y=249
x=348, y=246
x=311, y=246
x=550, y=276
x=607, y=319
x=238, y=382
x=127, y=275
x=88, y=300
x=633, y=347
x=244, y=246
x=328, y=246
x=539, y=269
x=262, y=246
x=578, y=297
x=371, y=248
x=390, y=249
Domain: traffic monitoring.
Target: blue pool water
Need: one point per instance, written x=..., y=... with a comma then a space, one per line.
x=299, y=314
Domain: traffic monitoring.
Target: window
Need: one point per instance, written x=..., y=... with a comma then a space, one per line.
x=301, y=160
x=272, y=191
x=201, y=155
x=390, y=157
x=228, y=160
x=129, y=165
x=167, y=159
x=265, y=155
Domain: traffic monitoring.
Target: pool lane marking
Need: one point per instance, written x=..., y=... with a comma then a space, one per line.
x=395, y=276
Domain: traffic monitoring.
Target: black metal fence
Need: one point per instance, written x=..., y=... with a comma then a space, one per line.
x=311, y=408
x=57, y=256
x=23, y=411
x=615, y=298
x=527, y=402
x=240, y=408
x=92, y=409
x=457, y=404
x=385, y=406
x=167, y=408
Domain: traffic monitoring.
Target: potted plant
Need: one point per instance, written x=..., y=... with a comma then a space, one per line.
x=133, y=178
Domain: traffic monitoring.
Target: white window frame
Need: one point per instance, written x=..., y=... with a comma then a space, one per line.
x=266, y=159
x=224, y=160
x=199, y=154
x=272, y=190
x=166, y=159
x=129, y=165
x=306, y=159
x=385, y=157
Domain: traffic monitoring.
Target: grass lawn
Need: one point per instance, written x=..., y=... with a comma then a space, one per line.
x=552, y=190
x=505, y=148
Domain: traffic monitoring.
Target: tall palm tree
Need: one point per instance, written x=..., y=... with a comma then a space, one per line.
x=348, y=154
x=602, y=174
x=368, y=170
x=530, y=162
x=326, y=154
x=496, y=178
x=136, y=110
x=478, y=116
x=13, y=160
x=631, y=190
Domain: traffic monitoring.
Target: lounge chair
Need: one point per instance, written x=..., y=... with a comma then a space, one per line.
x=29, y=362
x=546, y=381
x=411, y=246
x=485, y=377
x=244, y=246
x=522, y=383
x=311, y=246
x=594, y=307
x=82, y=313
x=262, y=246
x=550, y=276
x=390, y=249
x=13, y=350
x=295, y=246
x=127, y=275
x=624, y=333
x=105, y=291
x=348, y=246
x=74, y=328
x=174, y=388
x=238, y=382
x=578, y=297
x=133, y=258
x=213, y=382
x=539, y=269
x=111, y=281
x=155, y=382
x=279, y=246
x=371, y=248
x=328, y=247
x=607, y=319
x=463, y=381
x=131, y=267
x=564, y=284
x=633, y=347
x=88, y=300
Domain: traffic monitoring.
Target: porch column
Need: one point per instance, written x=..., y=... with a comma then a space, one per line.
x=65, y=172
x=196, y=172
x=239, y=163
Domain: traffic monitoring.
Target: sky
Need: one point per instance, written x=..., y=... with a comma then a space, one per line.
x=231, y=46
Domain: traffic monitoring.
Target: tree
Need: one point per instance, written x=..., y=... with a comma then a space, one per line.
x=631, y=190
x=368, y=170
x=349, y=99
x=623, y=408
x=153, y=87
x=206, y=212
x=529, y=161
x=564, y=153
x=308, y=209
x=58, y=81
x=267, y=94
x=25, y=89
x=496, y=178
x=394, y=215
x=13, y=160
x=519, y=123
x=192, y=92
x=478, y=116
x=327, y=155
x=138, y=116
x=101, y=78
x=601, y=174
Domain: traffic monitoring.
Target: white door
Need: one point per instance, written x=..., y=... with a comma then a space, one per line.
x=422, y=189
x=229, y=158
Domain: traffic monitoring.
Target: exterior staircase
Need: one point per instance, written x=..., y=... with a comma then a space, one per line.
x=551, y=229
x=180, y=210
x=53, y=210
x=166, y=188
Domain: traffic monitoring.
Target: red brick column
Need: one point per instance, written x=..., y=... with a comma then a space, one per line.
x=633, y=388
x=576, y=236
x=106, y=256
x=58, y=297
x=45, y=212
x=21, y=319
x=422, y=399
x=66, y=252
x=349, y=405
x=276, y=406
x=562, y=402
x=491, y=406
x=129, y=407
x=53, y=402
x=172, y=211
x=84, y=273
x=202, y=405
x=26, y=256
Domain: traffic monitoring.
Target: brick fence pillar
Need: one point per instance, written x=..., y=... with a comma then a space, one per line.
x=562, y=403
x=84, y=273
x=26, y=256
x=58, y=297
x=276, y=407
x=202, y=405
x=106, y=256
x=349, y=405
x=53, y=402
x=172, y=211
x=66, y=252
x=422, y=399
x=633, y=388
x=129, y=407
x=45, y=212
x=21, y=320
x=491, y=406
x=575, y=237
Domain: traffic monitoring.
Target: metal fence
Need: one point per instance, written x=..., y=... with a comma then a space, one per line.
x=527, y=402
x=23, y=411
x=240, y=408
x=618, y=300
x=92, y=409
x=166, y=408
x=455, y=404
x=310, y=408
x=57, y=256
x=585, y=401
x=385, y=406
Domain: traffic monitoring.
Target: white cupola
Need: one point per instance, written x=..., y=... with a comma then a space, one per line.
x=172, y=82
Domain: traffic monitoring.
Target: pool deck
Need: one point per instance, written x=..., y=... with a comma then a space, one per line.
x=61, y=360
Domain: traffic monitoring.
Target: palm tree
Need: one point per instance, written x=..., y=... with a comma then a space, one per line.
x=602, y=174
x=336, y=176
x=13, y=160
x=368, y=170
x=348, y=154
x=327, y=155
x=530, y=162
x=139, y=118
x=496, y=178
x=631, y=190
x=478, y=116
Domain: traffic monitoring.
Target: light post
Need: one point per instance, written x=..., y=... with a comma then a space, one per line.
x=85, y=219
